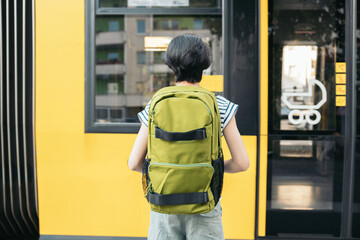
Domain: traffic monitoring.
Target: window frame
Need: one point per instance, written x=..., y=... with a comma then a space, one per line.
x=92, y=10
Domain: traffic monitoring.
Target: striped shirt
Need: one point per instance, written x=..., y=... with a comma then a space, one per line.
x=227, y=111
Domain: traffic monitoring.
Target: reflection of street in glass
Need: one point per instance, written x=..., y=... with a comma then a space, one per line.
x=299, y=86
x=302, y=174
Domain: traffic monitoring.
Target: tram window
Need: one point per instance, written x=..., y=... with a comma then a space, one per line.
x=130, y=67
x=306, y=40
x=157, y=3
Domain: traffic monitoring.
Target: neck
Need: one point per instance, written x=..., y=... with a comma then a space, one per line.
x=185, y=83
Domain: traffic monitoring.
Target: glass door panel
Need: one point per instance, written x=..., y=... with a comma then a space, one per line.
x=306, y=44
x=304, y=186
x=306, y=118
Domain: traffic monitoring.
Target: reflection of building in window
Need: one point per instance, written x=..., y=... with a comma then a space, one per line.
x=109, y=114
x=184, y=23
x=141, y=57
x=302, y=175
x=113, y=57
x=101, y=114
x=159, y=57
x=129, y=70
x=170, y=24
x=109, y=84
x=299, y=65
x=300, y=148
x=116, y=113
x=298, y=68
x=113, y=3
x=141, y=27
x=160, y=80
x=198, y=24
x=113, y=26
x=109, y=24
x=157, y=3
x=110, y=54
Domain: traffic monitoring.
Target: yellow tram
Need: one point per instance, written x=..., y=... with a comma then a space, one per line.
x=290, y=65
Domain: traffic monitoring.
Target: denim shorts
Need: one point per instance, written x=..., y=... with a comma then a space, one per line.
x=186, y=227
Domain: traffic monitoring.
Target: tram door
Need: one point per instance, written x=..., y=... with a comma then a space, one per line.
x=306, y=118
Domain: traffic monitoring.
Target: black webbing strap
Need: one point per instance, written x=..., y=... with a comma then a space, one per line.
x=177, y=198
x=197, y=134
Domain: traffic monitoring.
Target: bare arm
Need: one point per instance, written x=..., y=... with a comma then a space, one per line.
x=240, y=160
x=138, y=152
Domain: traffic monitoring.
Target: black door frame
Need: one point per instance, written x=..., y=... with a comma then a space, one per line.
x=350, y=121
x=350, y=125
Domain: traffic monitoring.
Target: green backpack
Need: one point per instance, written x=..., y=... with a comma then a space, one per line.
x=183, y=173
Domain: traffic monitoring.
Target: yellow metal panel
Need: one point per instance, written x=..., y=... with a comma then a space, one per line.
x=82, y=178
x=86, y=188
x=263, y=115
x=239, y=196
x=262, y=185
x=84, y=184
x=264, y=67
x=214, y=83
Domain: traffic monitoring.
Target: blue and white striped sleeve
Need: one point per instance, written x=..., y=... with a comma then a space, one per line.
x=227, y=110
x=144, y=115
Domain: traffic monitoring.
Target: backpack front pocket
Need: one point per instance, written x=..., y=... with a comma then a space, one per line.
x=168, y=178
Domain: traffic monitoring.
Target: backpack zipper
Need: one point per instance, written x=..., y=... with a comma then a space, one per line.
x=182, y=165
x=207, y=107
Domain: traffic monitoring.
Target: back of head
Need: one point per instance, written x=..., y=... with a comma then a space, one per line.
x=187, y=55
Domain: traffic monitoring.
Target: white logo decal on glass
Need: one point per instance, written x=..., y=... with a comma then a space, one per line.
x=312, y=109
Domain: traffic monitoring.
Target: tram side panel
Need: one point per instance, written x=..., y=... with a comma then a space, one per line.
x=84, y=184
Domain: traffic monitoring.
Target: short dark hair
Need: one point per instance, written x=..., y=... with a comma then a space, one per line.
x=188, y=55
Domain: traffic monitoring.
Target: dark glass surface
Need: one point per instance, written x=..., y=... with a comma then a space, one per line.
x=306, y=40
x=130, y=64
x=243, y=67
x=157, y=3
x=304, y=192
x=356, y=203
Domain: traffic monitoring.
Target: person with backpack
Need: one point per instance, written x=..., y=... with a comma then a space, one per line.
x=180, y=137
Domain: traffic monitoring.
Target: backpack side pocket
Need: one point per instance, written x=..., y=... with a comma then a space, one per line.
x=145, y=176
x=217, y=180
